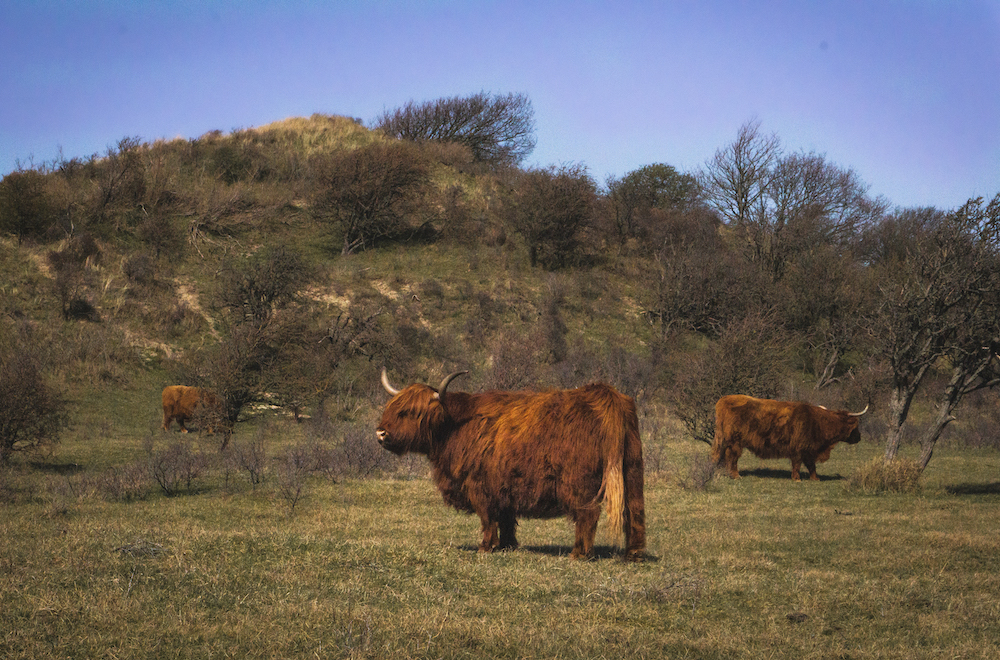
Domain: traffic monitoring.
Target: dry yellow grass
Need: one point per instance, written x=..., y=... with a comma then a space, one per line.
x=756, y=568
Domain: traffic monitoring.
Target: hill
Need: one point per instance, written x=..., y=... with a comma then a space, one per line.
x=283, y=265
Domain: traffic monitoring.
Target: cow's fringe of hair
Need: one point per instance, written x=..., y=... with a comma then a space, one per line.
x=614, y=500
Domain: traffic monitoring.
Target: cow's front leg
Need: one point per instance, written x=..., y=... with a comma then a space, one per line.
x=586, y=529
x=732, y=458
x=508, y=525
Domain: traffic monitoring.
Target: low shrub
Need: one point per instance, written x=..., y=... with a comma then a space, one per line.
x=876, y=476
x=697, y=474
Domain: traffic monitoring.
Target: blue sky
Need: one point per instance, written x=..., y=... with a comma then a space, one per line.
x=907, y=93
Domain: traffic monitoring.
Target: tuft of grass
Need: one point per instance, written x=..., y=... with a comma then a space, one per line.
x=697, y=474
x=876, y=476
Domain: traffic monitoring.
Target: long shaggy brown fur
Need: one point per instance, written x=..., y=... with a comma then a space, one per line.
x=504, y=455
x=795, y=430
x=182, y=403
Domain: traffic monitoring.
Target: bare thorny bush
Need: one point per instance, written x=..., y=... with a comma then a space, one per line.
x=177, y=466
x=348, y=450
x=747, y=358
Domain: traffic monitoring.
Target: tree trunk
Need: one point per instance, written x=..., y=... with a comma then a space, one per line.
x=826, y=377
x=952, y=395
x=962, y=382
x=903, y=391
x=930, y=440
x=899, y=408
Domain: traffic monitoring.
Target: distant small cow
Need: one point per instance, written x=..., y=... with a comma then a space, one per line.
x=798, y=431
x=183, y=403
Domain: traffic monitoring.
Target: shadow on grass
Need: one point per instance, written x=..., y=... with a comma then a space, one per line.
x=974, y=489
x=601, y=552
x=62, y=469
x=771, y=473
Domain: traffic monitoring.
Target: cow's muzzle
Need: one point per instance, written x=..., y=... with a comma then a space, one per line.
x=381, y=435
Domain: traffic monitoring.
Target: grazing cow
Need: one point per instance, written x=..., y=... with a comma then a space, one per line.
x=503, y=455
x=795, y=430
x=184, y=403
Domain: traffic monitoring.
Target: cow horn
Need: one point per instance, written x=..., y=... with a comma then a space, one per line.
x=450, y=377
x=385, y=383
x=859, y=414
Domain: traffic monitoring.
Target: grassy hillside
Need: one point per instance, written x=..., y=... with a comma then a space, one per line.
x=152, y=262
x=120, y=280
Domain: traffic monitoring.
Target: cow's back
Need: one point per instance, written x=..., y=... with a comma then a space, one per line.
x=539, y=453
x=173, y=395
x=761, y=425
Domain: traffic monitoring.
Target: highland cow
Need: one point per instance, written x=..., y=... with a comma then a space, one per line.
x=504, y=455
x=798, y=431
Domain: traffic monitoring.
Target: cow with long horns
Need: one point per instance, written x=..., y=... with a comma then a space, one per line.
x=798, y=431
x=504, y=455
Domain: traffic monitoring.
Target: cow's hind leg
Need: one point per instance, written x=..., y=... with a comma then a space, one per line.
x=508, y=526
x=490, y=537
x=586, y=529
x=796, y=464
x=811, y=466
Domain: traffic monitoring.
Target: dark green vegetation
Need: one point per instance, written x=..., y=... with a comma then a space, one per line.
x=282, y=266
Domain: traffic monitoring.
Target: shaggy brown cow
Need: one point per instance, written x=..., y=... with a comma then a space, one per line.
x=182, y=403
x=795, y=430
x=503, y=455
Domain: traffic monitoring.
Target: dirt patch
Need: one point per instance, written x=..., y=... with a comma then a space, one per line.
x=189, y=297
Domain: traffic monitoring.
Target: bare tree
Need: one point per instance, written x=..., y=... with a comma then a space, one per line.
x=498, y=129
x=553, y=206
x=122, y=176
x=781, y=205
x=823, y=298
x=814, y=203
x=33, y=413
x=938, y=301
x=633, y=196
x=370, y=190
x=974, y=352
x=737, y=178
x=749, y=357
x=253, y=288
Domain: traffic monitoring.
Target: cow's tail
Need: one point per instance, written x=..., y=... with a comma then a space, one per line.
x=623, y=476
x=614, y=498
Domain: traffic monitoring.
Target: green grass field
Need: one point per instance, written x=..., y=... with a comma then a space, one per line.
x=757, y=568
